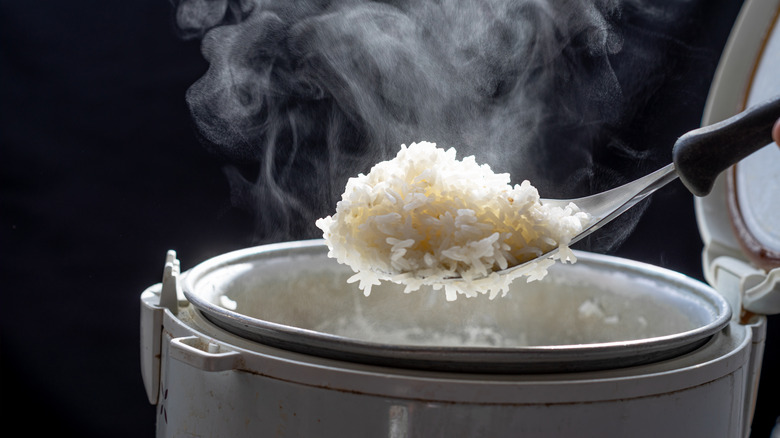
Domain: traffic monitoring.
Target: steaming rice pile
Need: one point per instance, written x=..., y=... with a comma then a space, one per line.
x=424, y=217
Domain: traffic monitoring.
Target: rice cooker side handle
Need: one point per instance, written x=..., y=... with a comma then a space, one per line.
x=702, y=154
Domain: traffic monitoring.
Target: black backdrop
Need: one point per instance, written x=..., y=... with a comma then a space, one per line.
x=101, y=173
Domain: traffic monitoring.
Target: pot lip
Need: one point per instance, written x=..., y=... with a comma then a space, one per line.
x=537, y=358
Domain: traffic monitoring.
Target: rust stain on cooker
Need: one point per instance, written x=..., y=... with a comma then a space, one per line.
x=747, y=317
x=762, y=257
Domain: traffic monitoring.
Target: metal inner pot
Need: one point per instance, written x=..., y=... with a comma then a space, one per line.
x=600, y=313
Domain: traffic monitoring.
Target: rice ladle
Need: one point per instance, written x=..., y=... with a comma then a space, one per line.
x=699, y=157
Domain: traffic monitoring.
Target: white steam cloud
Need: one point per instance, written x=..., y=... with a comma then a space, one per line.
x=309, y=93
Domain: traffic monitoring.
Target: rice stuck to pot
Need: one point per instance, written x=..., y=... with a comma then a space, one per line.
x=424, y=217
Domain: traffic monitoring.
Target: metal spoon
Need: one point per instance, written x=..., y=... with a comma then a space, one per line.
x=698, y=158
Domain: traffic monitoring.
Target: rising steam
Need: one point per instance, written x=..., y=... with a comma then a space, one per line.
x=308, y=94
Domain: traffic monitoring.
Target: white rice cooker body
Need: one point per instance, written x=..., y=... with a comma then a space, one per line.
x=207, y=381
x=210, y=382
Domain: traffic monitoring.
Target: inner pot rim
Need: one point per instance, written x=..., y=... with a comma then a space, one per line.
x=480, y=359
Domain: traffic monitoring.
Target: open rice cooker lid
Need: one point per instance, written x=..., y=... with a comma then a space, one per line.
x=740, y=220
x=599, y=313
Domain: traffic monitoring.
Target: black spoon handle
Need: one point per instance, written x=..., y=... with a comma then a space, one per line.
x=702, y=154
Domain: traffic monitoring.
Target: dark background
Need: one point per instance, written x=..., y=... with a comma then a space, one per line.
x=101, y=173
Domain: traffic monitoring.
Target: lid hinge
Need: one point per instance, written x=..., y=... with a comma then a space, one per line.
x=764, y=297
x=745, y=287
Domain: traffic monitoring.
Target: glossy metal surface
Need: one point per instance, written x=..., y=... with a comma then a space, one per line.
x=599, y=313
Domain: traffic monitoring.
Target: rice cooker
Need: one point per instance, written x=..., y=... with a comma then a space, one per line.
x=272, y=340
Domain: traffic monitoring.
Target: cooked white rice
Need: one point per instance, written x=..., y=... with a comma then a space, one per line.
x=424, y=217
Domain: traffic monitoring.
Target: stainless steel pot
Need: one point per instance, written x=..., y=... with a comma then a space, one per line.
x=272, y=340
x=602, y=312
